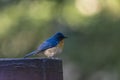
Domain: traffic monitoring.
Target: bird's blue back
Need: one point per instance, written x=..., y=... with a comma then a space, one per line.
x=49, y=43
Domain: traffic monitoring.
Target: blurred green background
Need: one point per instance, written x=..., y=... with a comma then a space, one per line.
x=92, y=50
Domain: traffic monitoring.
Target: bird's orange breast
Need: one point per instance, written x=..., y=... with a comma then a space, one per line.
x=61, y=43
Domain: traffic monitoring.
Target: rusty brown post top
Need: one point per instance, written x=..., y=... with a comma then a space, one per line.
x=31, y=69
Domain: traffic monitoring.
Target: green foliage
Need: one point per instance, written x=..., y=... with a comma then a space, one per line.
x=93, y=42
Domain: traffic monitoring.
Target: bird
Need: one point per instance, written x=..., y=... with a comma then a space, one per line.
x=51, y=46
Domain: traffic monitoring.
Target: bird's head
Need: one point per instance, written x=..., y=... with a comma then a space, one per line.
x=59, y=36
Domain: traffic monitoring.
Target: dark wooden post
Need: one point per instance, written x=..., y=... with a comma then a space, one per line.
x=31, y=69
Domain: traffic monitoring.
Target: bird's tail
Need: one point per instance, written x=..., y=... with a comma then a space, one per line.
x=30, y=54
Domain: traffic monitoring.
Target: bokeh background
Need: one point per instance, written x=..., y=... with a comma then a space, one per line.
x=92, y=51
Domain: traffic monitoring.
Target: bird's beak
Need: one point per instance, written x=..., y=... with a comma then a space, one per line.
x=65, y=37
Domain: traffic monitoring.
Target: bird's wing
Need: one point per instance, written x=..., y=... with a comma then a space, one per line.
x=46, y=45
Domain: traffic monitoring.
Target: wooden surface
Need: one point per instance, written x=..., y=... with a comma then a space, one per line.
x=31, y=69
